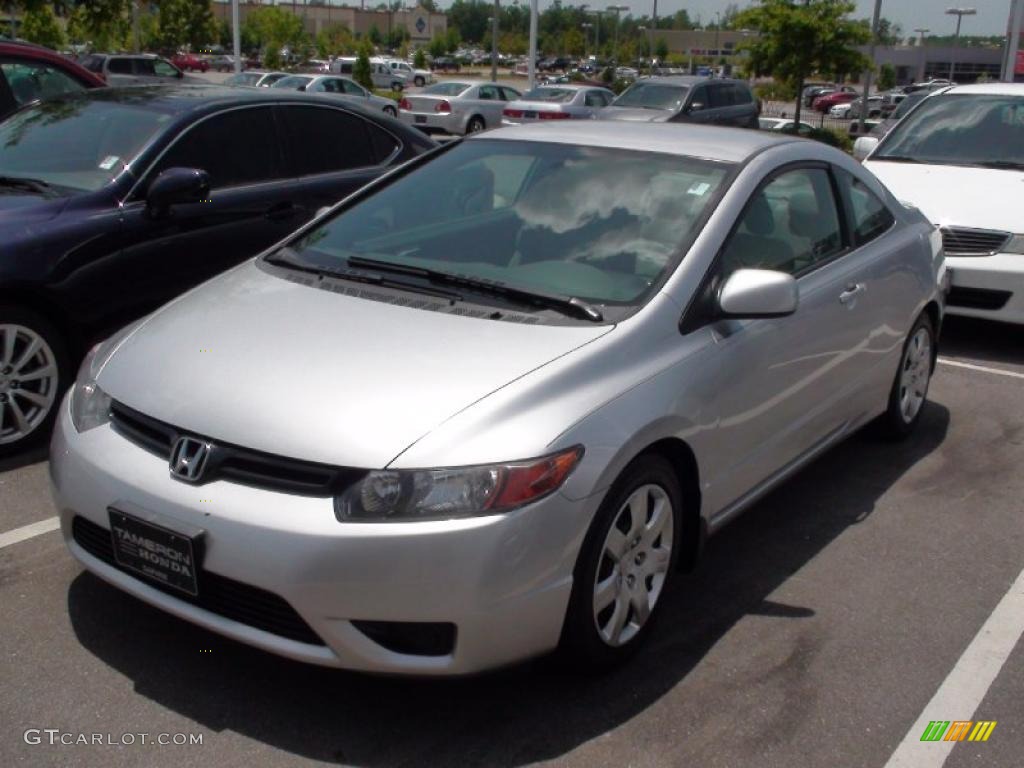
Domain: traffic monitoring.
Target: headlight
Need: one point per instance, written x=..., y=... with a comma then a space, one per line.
x=437, y=494
x=1016, y=245
x=90, y=405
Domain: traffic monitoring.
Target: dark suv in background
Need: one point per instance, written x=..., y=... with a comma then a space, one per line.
x=689, y=99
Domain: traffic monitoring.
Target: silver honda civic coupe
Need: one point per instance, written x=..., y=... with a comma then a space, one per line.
x=488, y=406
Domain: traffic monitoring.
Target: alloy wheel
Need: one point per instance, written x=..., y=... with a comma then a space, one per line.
x=915, y=374
x=634, y=562
x=28, y=382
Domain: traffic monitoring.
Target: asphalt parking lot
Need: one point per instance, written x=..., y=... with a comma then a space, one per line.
x=815, y=631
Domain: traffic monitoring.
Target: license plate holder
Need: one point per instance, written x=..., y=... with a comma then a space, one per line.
x=164, y=551
x=420, y=118
x=530, y=114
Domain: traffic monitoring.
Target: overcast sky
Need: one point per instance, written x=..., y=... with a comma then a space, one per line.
x=991, y=18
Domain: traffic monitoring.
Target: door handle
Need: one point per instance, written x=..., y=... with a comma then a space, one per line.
x=280, y=211
x=851, y=292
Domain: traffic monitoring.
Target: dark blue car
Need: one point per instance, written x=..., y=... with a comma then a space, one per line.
x=114, y=201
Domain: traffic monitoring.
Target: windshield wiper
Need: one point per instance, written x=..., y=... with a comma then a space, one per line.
x=38, y=186
x=1008, y=165
x=898, y=158
x=569, y=305
x=286, y=257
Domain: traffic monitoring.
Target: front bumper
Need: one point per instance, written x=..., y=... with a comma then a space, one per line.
x=990, y=287
x=503, y=580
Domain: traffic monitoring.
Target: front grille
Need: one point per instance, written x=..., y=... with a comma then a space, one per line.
x=234, y=463
x=977, y=298
x=226, y=597
x=961, y=241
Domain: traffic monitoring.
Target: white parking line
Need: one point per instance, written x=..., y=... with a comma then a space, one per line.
x=967, y=683
x=28, y=531
x=982, y=368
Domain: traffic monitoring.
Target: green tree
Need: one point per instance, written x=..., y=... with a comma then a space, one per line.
x=374, y=36
x=661, y=49
x=335, y=40
x=187, y=22
x=438, y=46
x=798, y=40
x=272, y=28
x=419, y=59
x=886, y=77
x=361, y=69
x=104, y=24
x=452, y=40
x=40, y=25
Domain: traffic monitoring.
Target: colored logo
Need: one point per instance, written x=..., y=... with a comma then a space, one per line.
x=958, y=730
x=420, y=25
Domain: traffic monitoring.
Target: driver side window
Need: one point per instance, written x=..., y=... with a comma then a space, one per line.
x=790, y=225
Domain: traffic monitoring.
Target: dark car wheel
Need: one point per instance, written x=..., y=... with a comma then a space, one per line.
x=34, y=372
x=910, y=388
x=627, y=560
x=475, y=124
x=419, y=81
x=391, y=111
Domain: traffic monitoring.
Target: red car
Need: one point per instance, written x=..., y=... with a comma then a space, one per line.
x=189, y=62
x=30, y=72
x=829, y=100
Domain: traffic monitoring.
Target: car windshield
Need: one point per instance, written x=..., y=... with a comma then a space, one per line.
x=555, y=95
x=649, y=95
x=908, y=103
x=961, y=129
x=446, y=89
x=243, y=78
x=599, y=224
x=292, y=81
x=78, y=143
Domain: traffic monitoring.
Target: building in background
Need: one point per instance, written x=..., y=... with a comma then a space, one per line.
x=421, y=24
x=914, y=63
x=1013, y=58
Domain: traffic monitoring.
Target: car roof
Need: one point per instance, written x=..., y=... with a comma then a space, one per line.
x=731, y=145
x=1000, y=89
x=571, y=86
x=42, y=53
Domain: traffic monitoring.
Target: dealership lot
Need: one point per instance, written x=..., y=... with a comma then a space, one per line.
x=815, y=631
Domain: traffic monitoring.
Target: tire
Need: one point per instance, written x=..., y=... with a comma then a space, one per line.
x=475, y=125
x=396, y=86
x=606, y=625
x=419, y=81
x=910, y=387
x=29, y=406
x=390, y=111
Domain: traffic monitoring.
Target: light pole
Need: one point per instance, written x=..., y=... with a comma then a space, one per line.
x=494, y=41
x=586, y=37
x=639, y=52
x=531, y=67
x=718, y=24
x=653, y=30
x=959, y=13
x=615, y=40
x=921, y=32
x=236, y=36
x=867, y=80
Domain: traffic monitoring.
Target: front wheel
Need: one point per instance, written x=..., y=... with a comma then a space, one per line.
x=390, y=111
x=34, y=370
x=910, y=389
x=627, y=560
x=419, y=81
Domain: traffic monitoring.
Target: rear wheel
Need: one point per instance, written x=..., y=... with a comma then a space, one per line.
x=419, y=81
x=627, y=560
x=910, y=389
x=34, y=370
x=475, y=124
x=391, y=111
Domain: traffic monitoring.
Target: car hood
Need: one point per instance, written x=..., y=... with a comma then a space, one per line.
x=983, y=198
x=21, y=210
x=270, y=364
x=635, y=114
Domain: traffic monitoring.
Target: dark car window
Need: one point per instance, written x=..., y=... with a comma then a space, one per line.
x=120, y=67
x=510, y=94
x=489, y=92
x=701, y=96
x=352, y=88
x=324, y=139
x=649, y=94
x=719, y=95
x=235, y=147
x=93, y=63
x=791, y=224
x=76, y=142
x=741, y=94
x=871, y=218
x=31, y=80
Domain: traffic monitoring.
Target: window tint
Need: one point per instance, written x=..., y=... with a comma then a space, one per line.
x=236, y=147
x=720, y=95
x=510, y=94
x=30, y=80
x=701, y=96
x=790, y=225
x=352, y=88
x=164, y=68
x=741, y=94
x=489, y=92
x=870, y=216
x=594, y=99
x=384, y=144
x=120, y=67
x=93, y=63
x=323, y=139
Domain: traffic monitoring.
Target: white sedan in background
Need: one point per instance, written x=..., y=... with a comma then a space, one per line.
x=457, y=107
x=959, y=158
x=338, y=86
x=557, y=102
x=783, y=124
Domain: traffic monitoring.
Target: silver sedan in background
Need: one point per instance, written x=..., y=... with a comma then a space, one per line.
x=334, y=85
x=255, y=78
x=457, y=107
x=557, y=102
x=537, y=370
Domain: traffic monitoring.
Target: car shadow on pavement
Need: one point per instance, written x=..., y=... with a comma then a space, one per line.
x=982, y=340
x=24, y=459
x=531, y=712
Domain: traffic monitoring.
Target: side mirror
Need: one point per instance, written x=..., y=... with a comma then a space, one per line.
x=695, y=106
x=864, y=146
x=177, y=186
x=752, y=293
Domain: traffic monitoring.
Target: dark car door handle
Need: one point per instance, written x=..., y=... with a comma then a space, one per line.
x=280, y=211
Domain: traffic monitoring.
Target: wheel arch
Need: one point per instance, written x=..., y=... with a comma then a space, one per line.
x=680, y=455
x=31, y=298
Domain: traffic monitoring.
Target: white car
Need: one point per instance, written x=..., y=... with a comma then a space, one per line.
x=380, y=73
x=456, y=107
x=342, y=87
x=418, y=77
x=959, y=157
x=783, y=124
